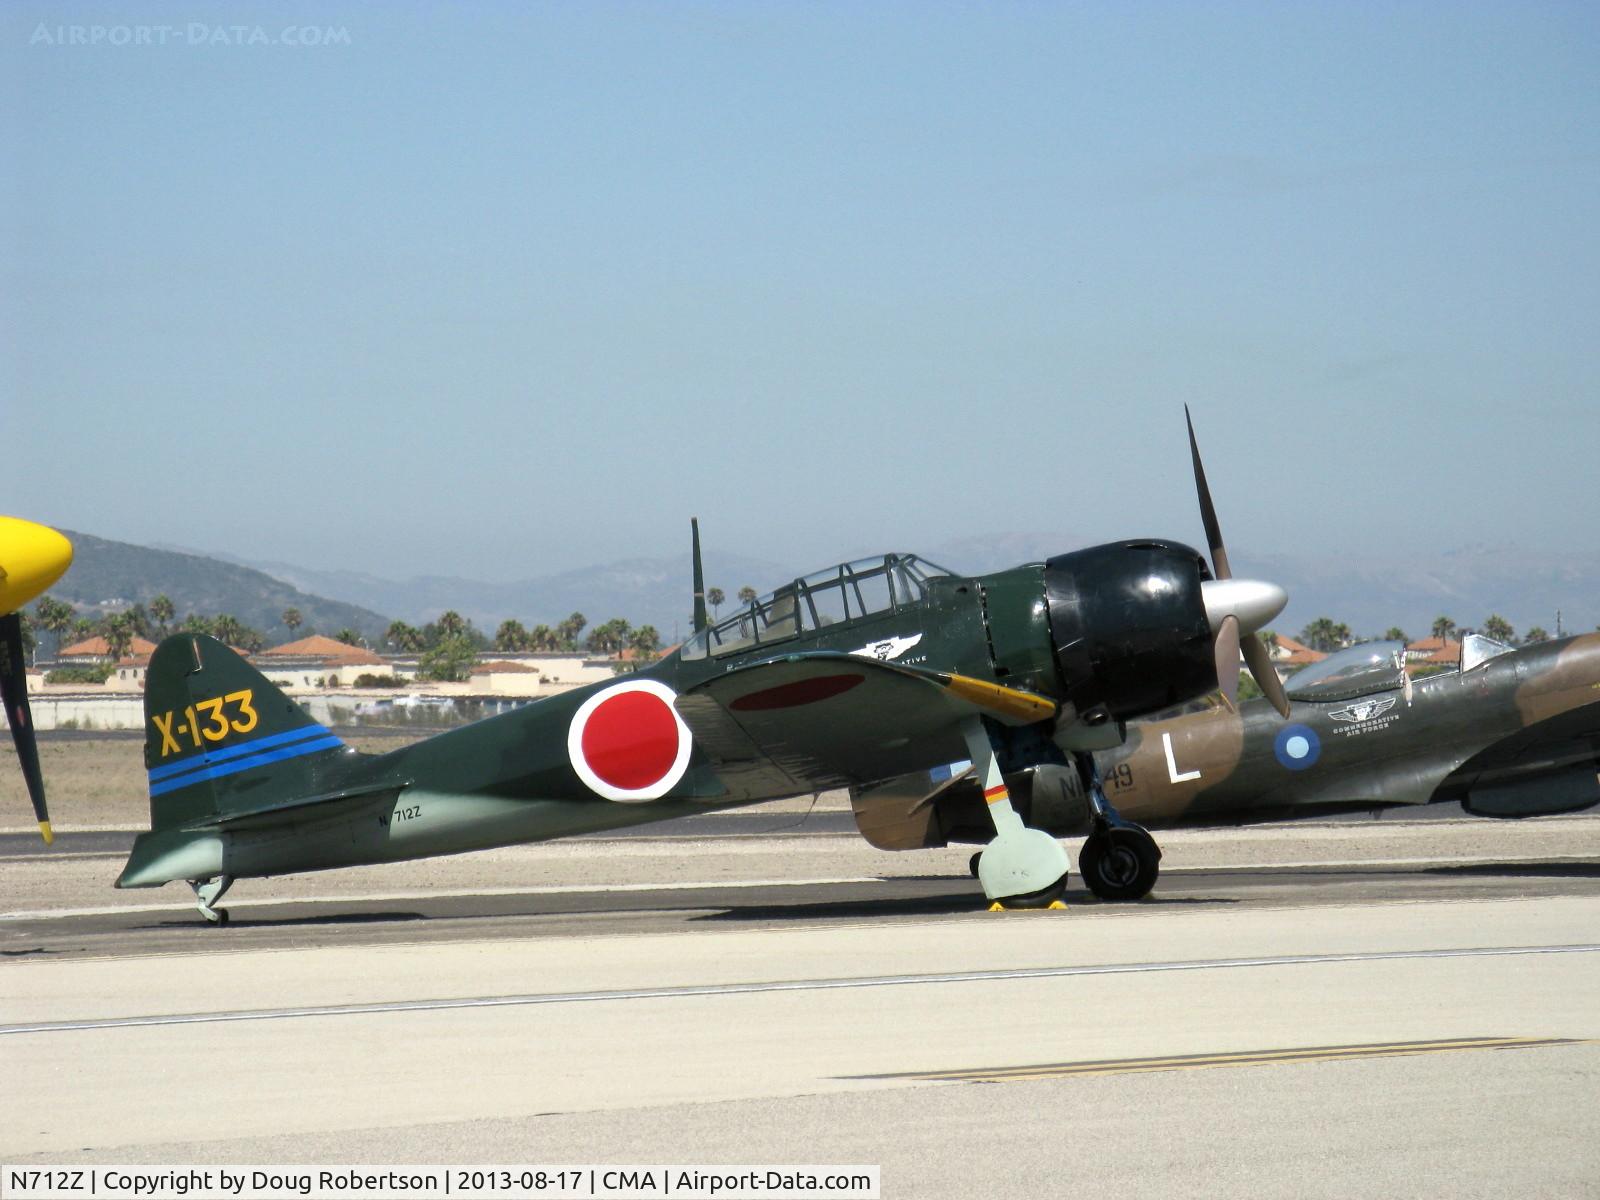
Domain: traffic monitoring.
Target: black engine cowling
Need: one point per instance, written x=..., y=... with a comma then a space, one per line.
x=1129, y=627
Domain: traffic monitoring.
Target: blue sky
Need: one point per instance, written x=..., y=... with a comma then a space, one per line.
x=496, y=290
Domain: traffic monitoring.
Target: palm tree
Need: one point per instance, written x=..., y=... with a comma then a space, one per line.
x=570, y=629
x=162, y=611
x=1269, y=639
x=610, y=637
x=139, y=621
x=451, y=623
x=542, y=637
x=406, y=639
x=715, y=598
x=195, y=623
x=55, y=616
x=747, y=595
x=1499, y=629
x=645, y=639
x=1323, y=634
x=1443, y=628
x=293, y=620
x=1535, y=635
x=227, y=628
x=511, y=636
x=348, y=636
x=1395, y=634
x=118, y=633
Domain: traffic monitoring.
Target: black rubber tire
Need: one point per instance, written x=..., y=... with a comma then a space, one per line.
x=1120, y=863
x=1043, y=898
x=972, y=863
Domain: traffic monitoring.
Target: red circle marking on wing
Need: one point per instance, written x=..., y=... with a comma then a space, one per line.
x=631, y=740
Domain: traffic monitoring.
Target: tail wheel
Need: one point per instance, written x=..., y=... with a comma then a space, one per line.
x=1120, y=863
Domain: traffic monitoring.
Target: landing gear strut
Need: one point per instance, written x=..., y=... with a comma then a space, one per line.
x=206, y=893
x=1022, y=867
x=1120, y=860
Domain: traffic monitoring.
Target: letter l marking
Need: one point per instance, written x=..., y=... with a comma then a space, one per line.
x=1172, y=766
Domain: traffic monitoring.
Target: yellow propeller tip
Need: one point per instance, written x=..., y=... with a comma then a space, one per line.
x=44, y=828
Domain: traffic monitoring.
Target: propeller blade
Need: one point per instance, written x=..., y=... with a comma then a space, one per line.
x=1208, y=511
x=14, y=691
x=1227, y=651
x=1257, y=658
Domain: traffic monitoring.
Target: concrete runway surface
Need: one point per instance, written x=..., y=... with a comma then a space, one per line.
x=1357, y=1010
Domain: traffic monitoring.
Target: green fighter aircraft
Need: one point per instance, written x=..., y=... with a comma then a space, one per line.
x=873, y=676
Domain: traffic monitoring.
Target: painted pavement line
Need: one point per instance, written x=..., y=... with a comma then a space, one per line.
x=1242, y=1058
x=682, y=991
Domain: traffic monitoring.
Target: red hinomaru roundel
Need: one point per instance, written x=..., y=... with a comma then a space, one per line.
x=628, y=742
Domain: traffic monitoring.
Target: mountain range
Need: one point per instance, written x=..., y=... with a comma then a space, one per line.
x=1370, y=594
x=108, y=576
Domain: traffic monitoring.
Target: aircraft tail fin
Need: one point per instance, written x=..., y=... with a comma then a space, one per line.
x=222, y=740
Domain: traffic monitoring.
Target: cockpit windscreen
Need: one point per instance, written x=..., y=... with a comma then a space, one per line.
x=837, y=596
x=1353, y=671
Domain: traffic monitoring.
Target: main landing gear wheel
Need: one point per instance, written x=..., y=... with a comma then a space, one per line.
x=1120, y=862
x=1022, y=867
x=1043, y=898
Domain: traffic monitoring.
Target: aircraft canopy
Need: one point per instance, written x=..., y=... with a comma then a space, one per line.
x=837, y=596
x=1353, y=671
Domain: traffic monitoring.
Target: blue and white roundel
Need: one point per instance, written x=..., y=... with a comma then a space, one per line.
x=1297, y=746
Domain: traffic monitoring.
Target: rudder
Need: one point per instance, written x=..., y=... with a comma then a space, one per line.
x=221, y=738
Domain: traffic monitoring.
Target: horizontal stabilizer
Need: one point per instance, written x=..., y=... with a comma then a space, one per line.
x=291, y=812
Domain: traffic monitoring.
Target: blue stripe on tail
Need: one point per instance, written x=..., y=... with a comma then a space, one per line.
x=234, y=759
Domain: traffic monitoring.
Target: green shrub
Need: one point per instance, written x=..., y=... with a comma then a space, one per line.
x=377, y=681
x=95, y=674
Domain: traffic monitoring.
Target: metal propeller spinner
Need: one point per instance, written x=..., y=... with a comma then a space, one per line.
x=1236, y=608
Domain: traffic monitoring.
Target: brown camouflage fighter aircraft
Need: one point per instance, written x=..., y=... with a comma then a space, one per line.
x=1511, y=733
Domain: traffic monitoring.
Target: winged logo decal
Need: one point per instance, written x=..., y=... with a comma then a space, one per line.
x=888, y=648
x=1362, y=710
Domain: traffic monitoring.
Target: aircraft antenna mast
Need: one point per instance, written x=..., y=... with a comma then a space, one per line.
x=699, y=577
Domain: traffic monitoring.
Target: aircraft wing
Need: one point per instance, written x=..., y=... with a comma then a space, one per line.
x=827, y=719
x=1549, y=767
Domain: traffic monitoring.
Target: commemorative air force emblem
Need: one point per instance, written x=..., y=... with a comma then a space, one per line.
x=888, y=648
x=1362, y=710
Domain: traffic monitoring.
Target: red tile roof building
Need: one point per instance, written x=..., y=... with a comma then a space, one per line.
x=98, y=647
x=328, y=649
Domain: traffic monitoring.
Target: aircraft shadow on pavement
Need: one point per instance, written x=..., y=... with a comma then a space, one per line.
x=948, y=904
x=236, y=921
x=1545, y=870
